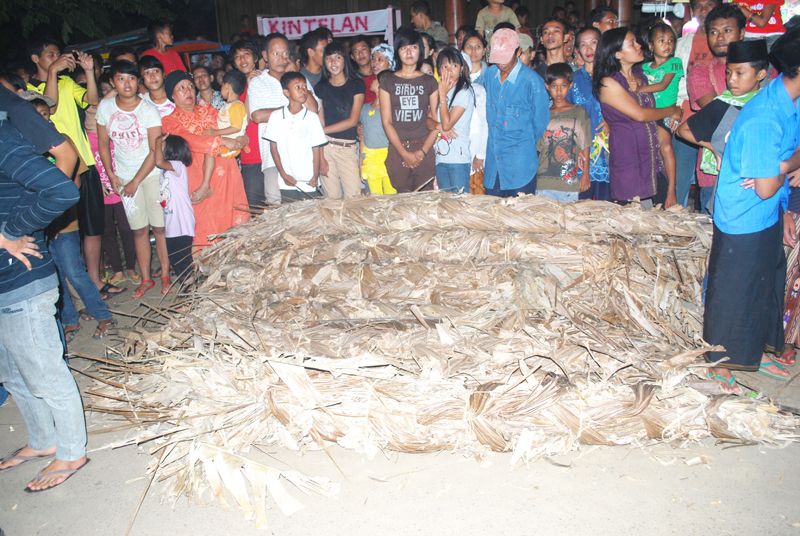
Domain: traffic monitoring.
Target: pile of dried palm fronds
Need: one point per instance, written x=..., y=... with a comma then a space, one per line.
x=429, y=322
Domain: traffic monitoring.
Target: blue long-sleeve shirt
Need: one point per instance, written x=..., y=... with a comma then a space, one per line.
x=33, y=192
x=766, y=132
x=518, y=111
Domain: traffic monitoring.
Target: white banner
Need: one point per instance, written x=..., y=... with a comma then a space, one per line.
x=365, y=22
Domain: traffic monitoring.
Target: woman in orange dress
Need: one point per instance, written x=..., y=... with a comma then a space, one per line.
x=227, y=206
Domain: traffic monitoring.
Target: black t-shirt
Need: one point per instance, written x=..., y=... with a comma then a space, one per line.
x=714, y=122
x=337, y=104
x=705, y=123
x=34, y=128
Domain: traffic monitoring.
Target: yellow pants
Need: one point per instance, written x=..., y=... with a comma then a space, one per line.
x=373, y=169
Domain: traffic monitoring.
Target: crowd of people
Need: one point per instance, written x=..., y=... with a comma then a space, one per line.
x=98, y=153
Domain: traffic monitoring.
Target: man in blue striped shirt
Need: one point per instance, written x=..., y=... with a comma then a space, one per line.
x=33, y=192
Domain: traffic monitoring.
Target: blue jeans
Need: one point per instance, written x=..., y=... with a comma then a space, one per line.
x=66, y=251
x=705, y=198
x=599, y=191
x=685, y=164
x=453, y=177
x=496, y=190
x=32, y=368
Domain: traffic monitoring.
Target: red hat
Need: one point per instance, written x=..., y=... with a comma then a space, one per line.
x=504, y=44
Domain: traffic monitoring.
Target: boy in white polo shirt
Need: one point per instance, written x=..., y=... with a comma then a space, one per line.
x=295, y=135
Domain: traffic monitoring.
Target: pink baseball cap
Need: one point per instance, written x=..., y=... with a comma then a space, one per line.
x=504, y=43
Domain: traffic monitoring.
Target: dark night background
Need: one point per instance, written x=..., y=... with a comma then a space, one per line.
x=191, y=18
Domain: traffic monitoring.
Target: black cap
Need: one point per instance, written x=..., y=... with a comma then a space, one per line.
x=785, y=52
x=747, y=51
x=173, y=79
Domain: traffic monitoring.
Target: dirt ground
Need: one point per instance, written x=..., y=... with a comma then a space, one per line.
x=700, y=489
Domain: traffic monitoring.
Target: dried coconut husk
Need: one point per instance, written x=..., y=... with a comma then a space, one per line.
x=429, y=322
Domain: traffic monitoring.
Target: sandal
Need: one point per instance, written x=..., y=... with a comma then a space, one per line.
x=135, y=278
x=108, y=288
x=786, y=358
x=23, y=459
x=762, y=369
x=68, y=472
x=156, y=272
x=166, y=286
x=70, y=331
x=142, y=289
x=731, y=383
x=114, y=281
x=102, y=328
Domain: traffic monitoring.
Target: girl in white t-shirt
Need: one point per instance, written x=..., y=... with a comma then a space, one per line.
x=173, y=156
x=131, y=125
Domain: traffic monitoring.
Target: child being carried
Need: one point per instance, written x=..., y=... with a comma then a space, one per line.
x=232, y=119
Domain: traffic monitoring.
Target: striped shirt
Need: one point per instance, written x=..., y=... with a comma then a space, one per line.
x=33, y=192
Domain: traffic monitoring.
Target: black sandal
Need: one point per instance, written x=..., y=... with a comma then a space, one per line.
x=70, y=331
x=111, y=289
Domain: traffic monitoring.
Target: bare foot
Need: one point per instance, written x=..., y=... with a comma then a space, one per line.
x=44, y=481
x=724, y=378
x=201, y=194
x=27, y=452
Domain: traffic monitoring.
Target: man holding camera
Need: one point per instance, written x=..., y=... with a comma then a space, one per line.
x=65, y=116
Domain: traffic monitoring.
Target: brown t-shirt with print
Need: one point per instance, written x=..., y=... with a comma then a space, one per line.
x=410, y=103
x=559, y=148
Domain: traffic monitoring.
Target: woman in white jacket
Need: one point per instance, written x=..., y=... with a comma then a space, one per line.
x=478, y=136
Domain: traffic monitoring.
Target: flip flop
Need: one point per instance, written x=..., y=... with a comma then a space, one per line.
x=762, y=370
x=70, y=331
x=69, y=472
x=111, y=289
x=110, y=323
x=85, y=316
x=731, y=382
x=115, y=281
x=783, y=359
x=25, y=459
x=135, y=278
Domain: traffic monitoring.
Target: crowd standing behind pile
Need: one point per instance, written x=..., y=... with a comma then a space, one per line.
x=142, y=142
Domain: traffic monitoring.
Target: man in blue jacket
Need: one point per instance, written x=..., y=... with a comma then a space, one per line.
x=33, y=192
x=518, y=111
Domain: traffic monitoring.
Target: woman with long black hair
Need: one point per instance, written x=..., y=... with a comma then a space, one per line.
x=456, y=105
x=635, y=164
x=408, y=96
x=341, y=93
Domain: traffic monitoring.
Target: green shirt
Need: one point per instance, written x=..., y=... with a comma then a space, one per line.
x=486, y=21
x=438, y=32
x=669, y=96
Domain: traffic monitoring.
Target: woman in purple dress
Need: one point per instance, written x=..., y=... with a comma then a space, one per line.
x=635, y=165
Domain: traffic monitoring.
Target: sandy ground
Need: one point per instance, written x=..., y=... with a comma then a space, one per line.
x=701, y=489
